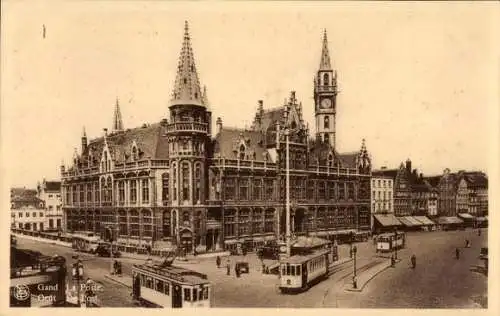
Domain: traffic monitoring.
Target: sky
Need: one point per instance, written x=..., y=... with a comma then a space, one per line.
x=417, y=81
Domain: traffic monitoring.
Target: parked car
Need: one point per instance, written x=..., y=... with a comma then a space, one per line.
x=242, y=267
x=104, y=250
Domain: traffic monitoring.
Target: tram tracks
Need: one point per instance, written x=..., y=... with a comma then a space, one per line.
x=340, y=281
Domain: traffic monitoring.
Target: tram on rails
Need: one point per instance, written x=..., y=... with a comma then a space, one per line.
x=85, y=242
x=300, y=272
x=390, y=241
x=160, y=285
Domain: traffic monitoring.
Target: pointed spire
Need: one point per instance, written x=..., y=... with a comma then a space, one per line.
x=117, y=118
x=187, y=85
x=204, y=98
x=84, y=134
x=325, y=55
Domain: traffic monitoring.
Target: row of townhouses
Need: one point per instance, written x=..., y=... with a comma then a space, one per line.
x=37, y=209
x=405, y=193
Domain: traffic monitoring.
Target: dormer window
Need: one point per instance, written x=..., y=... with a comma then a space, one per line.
x=134, y=153
x=242, y=152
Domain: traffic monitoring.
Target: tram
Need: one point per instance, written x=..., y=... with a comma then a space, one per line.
x=299, y=272
x=85, y=242
x=389, y=241
x=161, y=285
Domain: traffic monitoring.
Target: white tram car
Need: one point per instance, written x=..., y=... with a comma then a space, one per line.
x=389, y=241
x=298, y=273
x=168, y=286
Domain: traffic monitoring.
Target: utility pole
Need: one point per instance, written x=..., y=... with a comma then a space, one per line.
x=288, y=241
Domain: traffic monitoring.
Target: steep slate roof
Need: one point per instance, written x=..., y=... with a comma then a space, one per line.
x=477, y=179
x=433, y=180
x=270, y=117
x=22, y=192
x=392, y=173
x=228, y=140
x=149, y=139
x=349, y=159
x=52, y=185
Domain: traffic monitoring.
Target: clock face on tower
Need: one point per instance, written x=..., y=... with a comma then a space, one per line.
x=326, y=103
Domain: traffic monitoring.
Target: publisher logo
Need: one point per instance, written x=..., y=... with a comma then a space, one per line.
x=21, y=292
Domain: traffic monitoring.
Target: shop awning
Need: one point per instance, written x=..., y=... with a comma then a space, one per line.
x=482, y=219
x=408, y=221
x=258, y=239
x=387, y=220
x=449, y=220
x=465, y=216
x=270, y=237
x=424, y=220
x=230, y=241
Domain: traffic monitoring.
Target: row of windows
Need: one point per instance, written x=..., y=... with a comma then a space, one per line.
x=300, y=189
x=382, y=206
x=386, y=195
x=380, y=183
x=190, y=294
x=27, y=214
x=92, y=192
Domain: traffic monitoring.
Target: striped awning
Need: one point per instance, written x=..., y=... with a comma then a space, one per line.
x=387, y=220
x=465, y=216
x=449, y=220
x=424, y=220
x=230, y=241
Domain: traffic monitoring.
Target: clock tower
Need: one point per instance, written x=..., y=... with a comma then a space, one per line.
x=325, y=96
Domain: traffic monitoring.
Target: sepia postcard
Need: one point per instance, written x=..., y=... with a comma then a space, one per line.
x=280, y=155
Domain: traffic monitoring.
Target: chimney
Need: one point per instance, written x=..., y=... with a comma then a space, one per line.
x=105, y=131
x=421, y=175
x=261, y=108
x=408, y=165
x=218, y=124
x=383, y=168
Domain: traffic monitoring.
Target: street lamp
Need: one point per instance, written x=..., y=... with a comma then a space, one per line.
x=77, y=274
x=354, y=281
x=287, y=180
x=351, y=242
x=396, y=244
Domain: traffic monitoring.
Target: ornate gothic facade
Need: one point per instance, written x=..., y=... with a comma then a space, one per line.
x=179, y=181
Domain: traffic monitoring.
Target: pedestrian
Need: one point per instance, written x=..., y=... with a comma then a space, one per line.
x=217, y=261
x=237, y=270
x=393, y=261
x=228, y=266
x=457, y=253
x=479, y=232
x=413, y=261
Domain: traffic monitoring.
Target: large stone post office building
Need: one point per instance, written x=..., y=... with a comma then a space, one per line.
x=181, y=181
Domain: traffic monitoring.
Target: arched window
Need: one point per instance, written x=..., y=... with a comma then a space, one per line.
x=185, y=181
x=327, y=138
x=242, y=152
x=326, y=122
x=109, y=187
x=197, y=183
x=326, y=80
x=174, y=181
x=166, y=224
x=103, y=190
x=165, y=186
